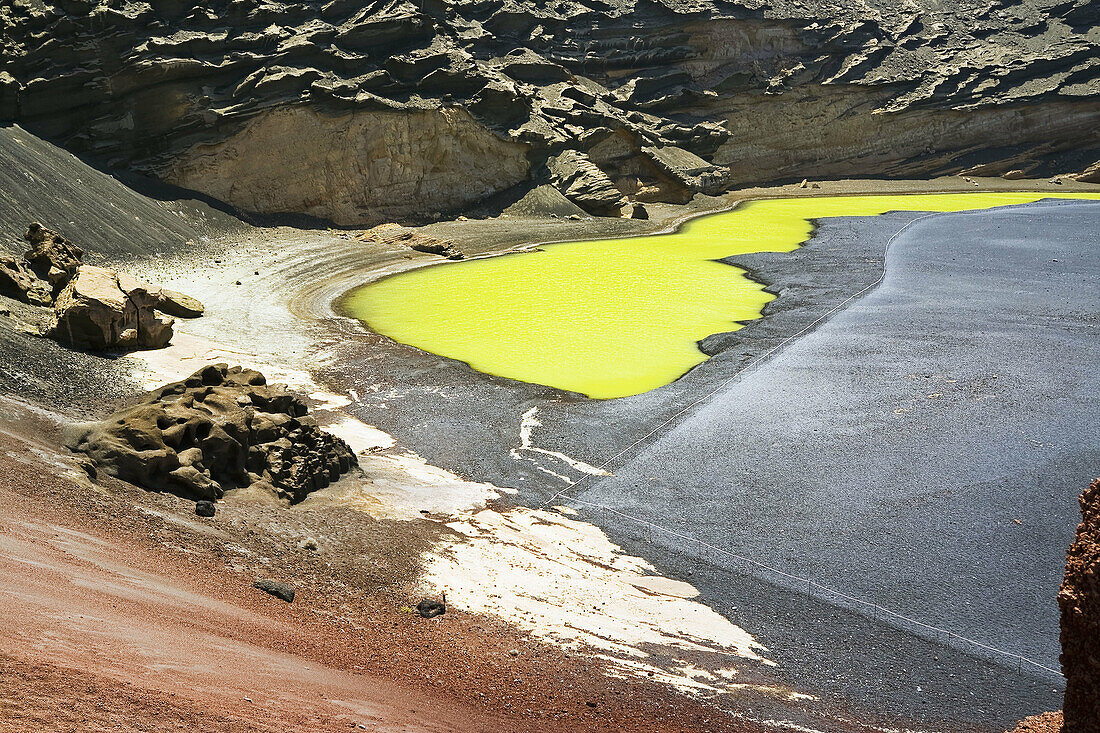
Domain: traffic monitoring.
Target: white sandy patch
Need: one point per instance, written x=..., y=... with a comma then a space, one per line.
x=565, y=581
x=527, y=426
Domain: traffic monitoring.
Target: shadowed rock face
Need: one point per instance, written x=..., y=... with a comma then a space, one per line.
x=403, y=109
x=219, y=429
x=1079, y=601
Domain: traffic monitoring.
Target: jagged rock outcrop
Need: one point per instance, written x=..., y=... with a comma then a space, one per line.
x=1079, y=602
x=221, y=428
x=46, y=268
x=101, y=309
x=52, y=257
x=19, y=282
x=360, y=111
x=582, y=182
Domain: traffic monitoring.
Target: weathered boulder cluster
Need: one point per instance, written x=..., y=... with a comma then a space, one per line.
x=1079, y=602
x=362, y=111
x=45, y=270
x=220, y=429
x=95, y=308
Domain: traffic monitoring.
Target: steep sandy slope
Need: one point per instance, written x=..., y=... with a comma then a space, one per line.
x=356, y=111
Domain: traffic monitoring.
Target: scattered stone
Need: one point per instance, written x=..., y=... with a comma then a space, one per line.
x=220, y=429
x=1079, y=602
x=205, y=508
x=101, y=309
x=282, y=591
x=430, y=609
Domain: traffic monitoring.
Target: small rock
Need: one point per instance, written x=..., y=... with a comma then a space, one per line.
x=282, y=591
x=639, y=211
x=430, y=609
x=307, y=543
x=205, y=508
x=805, y=184
x=514, y=652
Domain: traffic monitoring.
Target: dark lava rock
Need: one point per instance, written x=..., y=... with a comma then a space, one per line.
x=221, y=428
x=205, y=508
x=430, y=609
x=282, y=591
x=1079, y=602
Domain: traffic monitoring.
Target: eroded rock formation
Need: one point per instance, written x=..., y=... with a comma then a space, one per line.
x=101, y=309
x=1079, y=602
x=46, y=268
x=221, y=428
x=362, y=111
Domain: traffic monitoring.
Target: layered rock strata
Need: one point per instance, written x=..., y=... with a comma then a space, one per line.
x=220, y=429
x=1079, y=602
x=363, y=111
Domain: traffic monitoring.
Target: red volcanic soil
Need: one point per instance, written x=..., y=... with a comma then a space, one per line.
x=116, y=614
x=1045, y=723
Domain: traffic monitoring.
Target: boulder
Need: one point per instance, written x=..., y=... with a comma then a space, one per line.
x=220, y=429
x=52, y=257
x=428, y=608
x=178, y=304
x=19, y=282
x=282, y=591
x=205, y=508
x=583, y=183
x=101, y=309
x=1079, y=603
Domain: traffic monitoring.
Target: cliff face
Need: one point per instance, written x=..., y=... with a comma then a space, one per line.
x=1079, y=601
x=402, y=108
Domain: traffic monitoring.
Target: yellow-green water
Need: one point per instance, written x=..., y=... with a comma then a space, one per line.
x=613, y=317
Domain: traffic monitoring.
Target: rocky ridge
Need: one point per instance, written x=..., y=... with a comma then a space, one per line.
x=409, y=110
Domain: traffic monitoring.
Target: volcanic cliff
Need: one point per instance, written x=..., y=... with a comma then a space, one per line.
x=356, y=111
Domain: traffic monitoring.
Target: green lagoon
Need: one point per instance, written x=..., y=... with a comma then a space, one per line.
x=614, y=317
